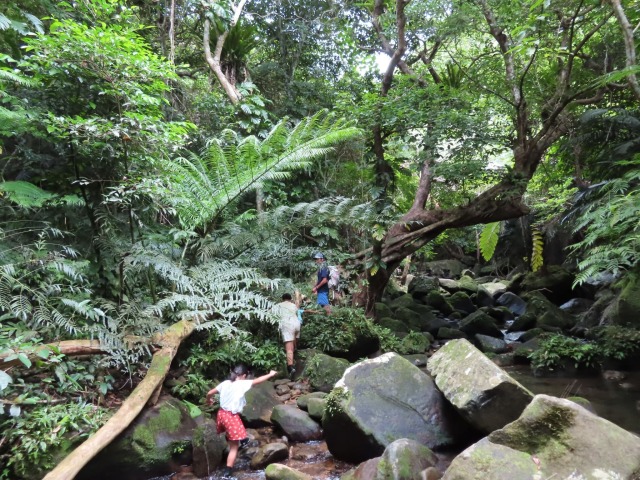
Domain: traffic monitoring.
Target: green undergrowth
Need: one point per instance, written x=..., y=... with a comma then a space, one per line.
x=609, y=343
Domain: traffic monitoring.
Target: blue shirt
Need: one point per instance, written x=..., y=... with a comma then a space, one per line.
x=323, y=273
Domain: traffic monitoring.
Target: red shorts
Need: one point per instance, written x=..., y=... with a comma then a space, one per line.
x=231, y=423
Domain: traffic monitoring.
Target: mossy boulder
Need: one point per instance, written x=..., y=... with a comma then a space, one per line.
x=384, y=399
x=396, y=326
x=404, y=301
x=481, y=391
x=554, y=282
x=415, y=343
x=410, y=318
x=467, y=284
x=462, y=302
x=425, y=312
x=436, y=324
x=438, y=301
x=382, y=310
x=488, y=344
x=480, y=322
x=624, y=308
x=324, y=371
x=421, y=286
x=444, y=268
x=448, y=333
x=149, y=446
x=405, y=459
x=553, y=438
x=315, y=408
x=303, y=400
x=547, y=315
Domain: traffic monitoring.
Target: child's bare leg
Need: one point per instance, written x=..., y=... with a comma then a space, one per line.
x=233, y=452
x=288, y=348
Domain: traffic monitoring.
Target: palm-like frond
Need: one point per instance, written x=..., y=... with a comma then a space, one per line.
x=202, y=187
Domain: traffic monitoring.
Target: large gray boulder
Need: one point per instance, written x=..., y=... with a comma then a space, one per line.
x=494, y=289
x=260, y=401
x=513, y=302
x=421, y=286
x=381, y=400
x=295, y=423
x=481, y=391
x=268, y=454
x=444, y=268
x=553, y=438
x=208, y=449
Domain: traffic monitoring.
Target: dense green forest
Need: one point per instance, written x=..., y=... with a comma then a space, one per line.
x=174, y=164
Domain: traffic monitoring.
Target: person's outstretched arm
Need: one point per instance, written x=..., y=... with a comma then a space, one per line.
x=264, y=378
x=210, y=395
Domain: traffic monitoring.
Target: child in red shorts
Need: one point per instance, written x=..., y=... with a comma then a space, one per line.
x=232, y=402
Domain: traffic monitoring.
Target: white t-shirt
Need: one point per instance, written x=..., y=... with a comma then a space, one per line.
x=232, y=394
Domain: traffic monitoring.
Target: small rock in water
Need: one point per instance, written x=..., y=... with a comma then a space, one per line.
x=613, y=375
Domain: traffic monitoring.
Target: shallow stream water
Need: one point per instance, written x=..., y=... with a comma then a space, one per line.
x=616, y=399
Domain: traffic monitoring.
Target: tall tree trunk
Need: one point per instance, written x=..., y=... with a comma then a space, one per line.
x=503, y=201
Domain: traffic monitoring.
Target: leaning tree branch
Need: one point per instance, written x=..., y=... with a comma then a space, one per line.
x=214, y=59
x=629, y=44
x=170, y=340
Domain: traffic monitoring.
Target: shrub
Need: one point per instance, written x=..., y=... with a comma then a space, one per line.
x=556, y=349
x=36, y=436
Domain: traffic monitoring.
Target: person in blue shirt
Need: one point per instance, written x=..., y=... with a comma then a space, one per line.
x=321, y=288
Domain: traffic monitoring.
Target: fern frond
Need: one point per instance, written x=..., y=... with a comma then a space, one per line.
x=537, y=245
x=489, y=239
x=201, y=188
x=24, y=194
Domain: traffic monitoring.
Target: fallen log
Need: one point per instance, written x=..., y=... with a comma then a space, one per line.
x=169, y=342
x=69, y=348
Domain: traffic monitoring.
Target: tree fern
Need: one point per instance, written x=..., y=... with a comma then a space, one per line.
x=201, y=187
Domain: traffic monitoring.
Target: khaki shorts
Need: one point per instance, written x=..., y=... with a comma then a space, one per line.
x=290, y=330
